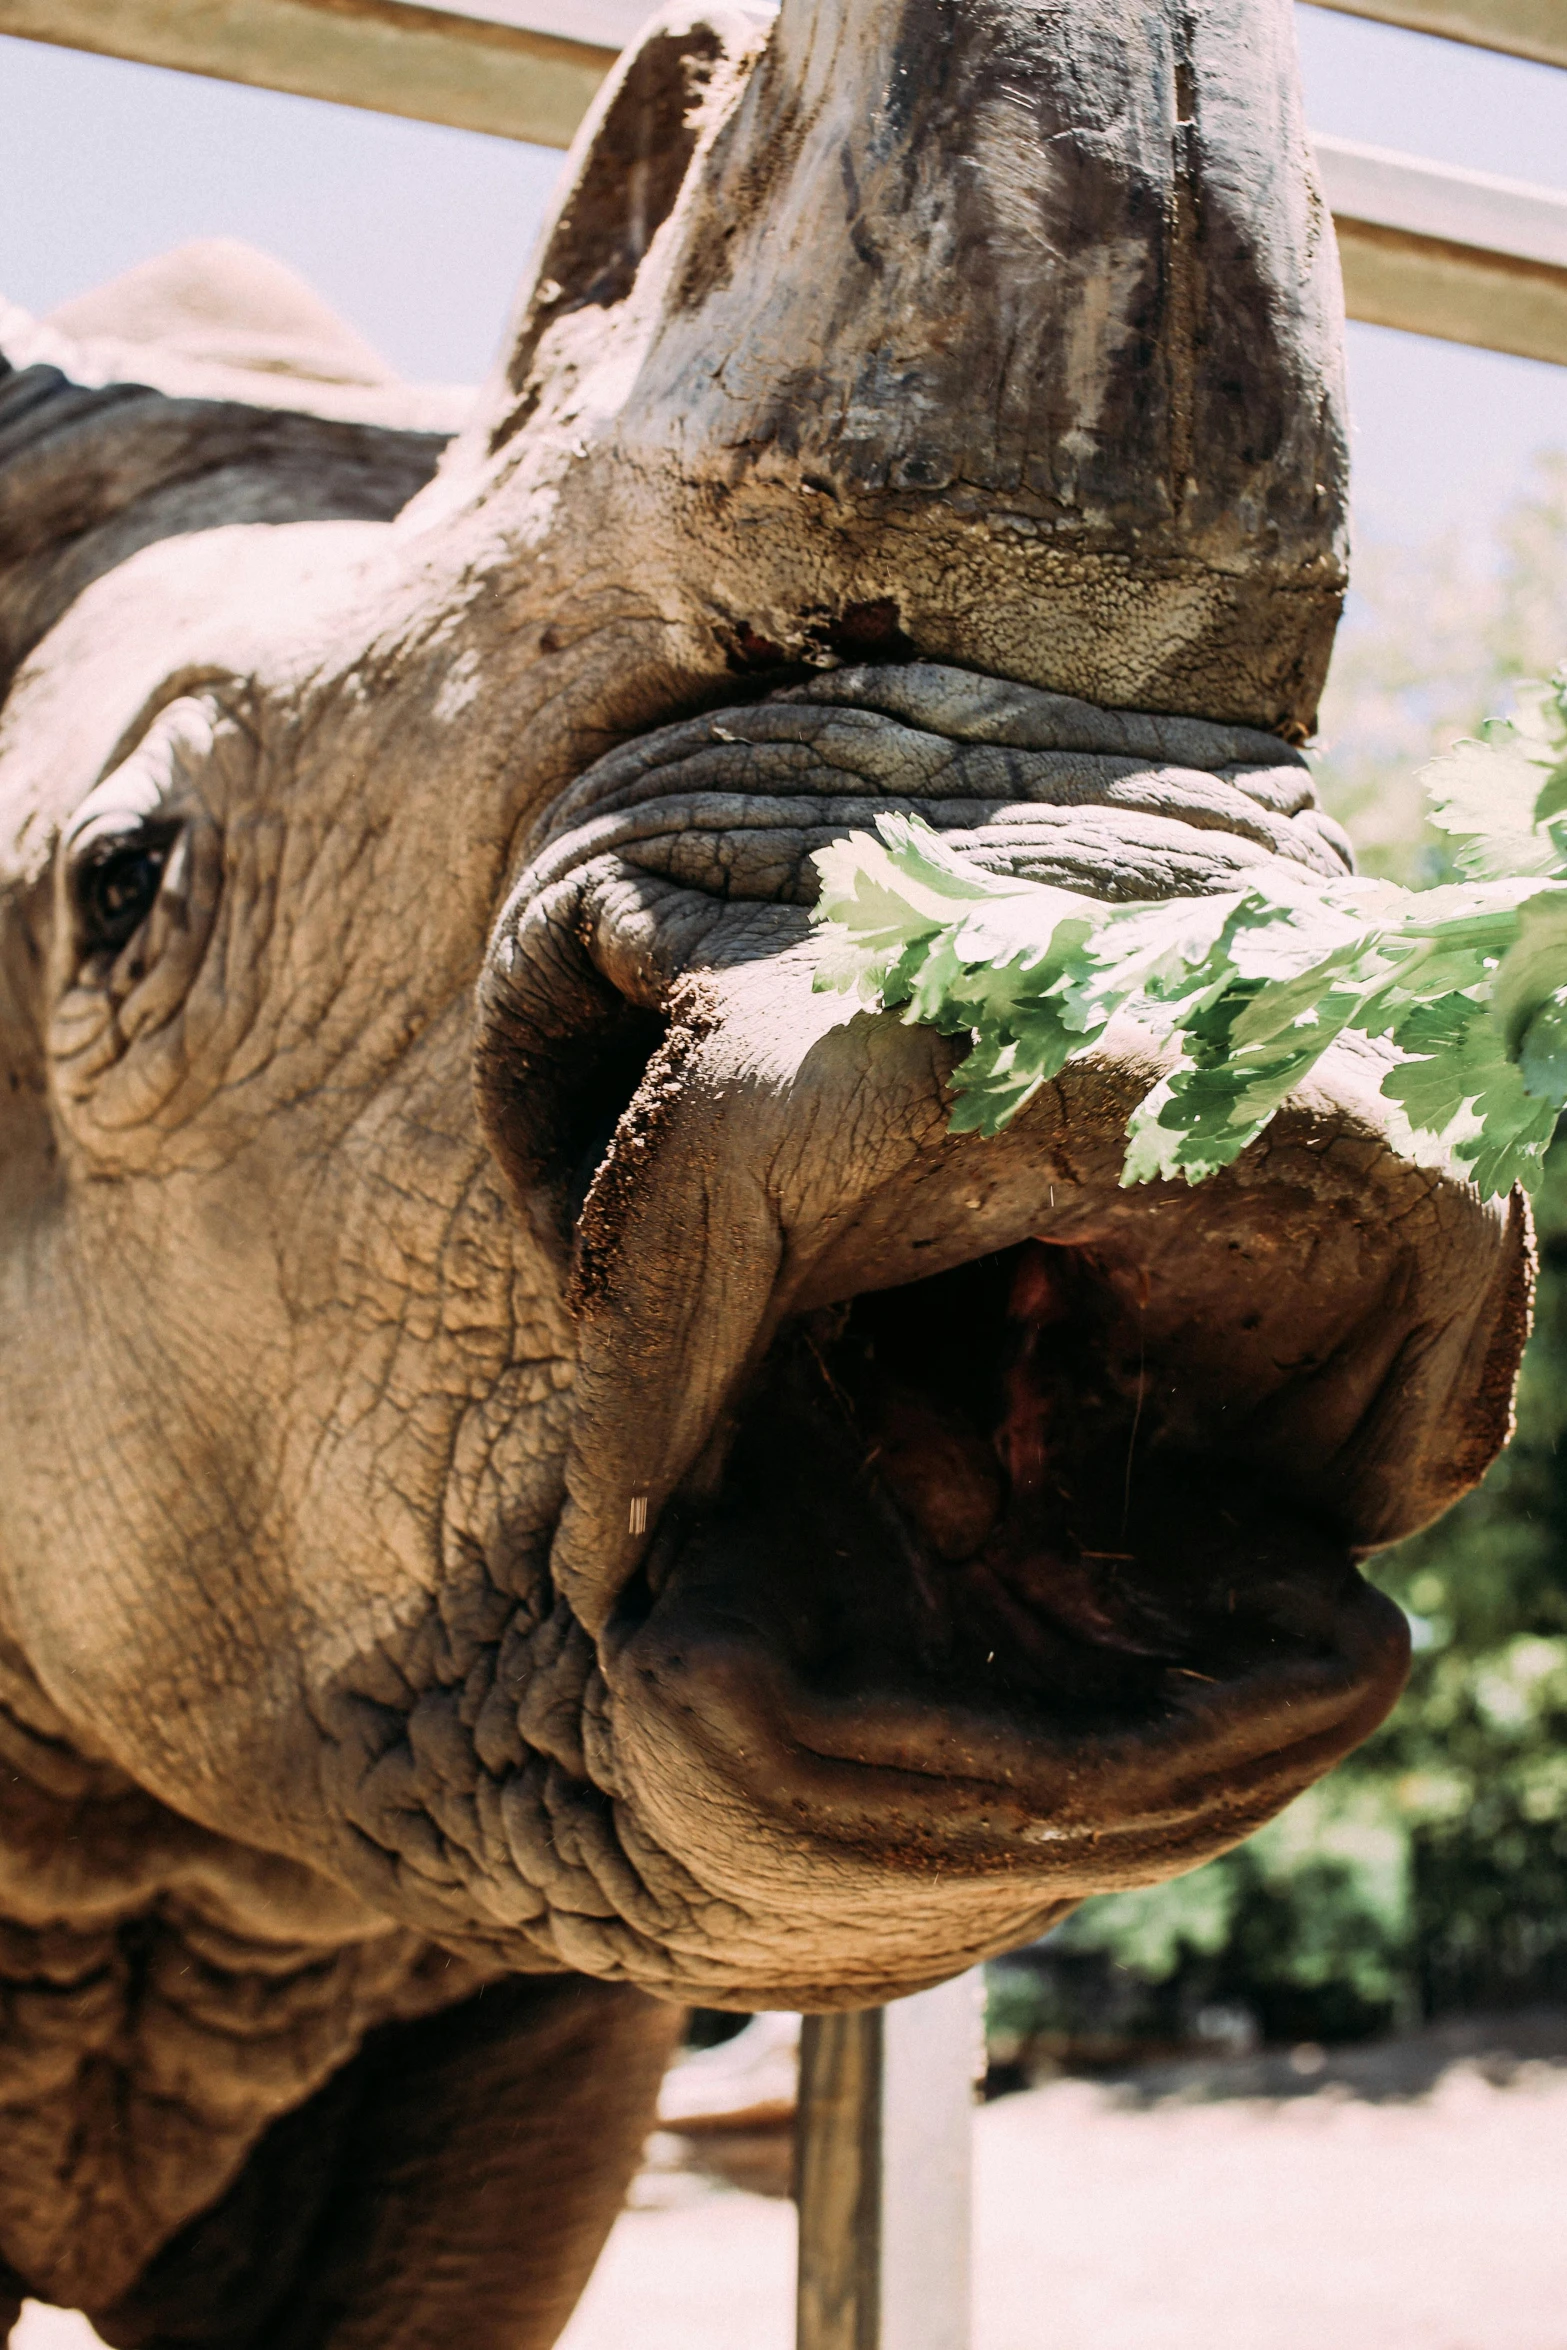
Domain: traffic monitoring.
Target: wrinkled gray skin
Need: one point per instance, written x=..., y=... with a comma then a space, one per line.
x=423, y=1148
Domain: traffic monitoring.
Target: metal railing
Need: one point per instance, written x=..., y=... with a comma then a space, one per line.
x=1457, y=254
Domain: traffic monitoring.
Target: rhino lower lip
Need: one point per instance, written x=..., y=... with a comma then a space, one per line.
x=921, y=1772
x=951, y=1543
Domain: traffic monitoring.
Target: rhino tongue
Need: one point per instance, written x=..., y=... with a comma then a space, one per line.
x=773, y=1160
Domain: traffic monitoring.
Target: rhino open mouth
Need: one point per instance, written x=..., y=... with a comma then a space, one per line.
x=940, y=1490
x=952, y=1545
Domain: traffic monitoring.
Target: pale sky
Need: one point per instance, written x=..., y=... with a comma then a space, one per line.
x=418, y=235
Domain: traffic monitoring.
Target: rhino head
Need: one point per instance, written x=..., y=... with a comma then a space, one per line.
x=521, y=1426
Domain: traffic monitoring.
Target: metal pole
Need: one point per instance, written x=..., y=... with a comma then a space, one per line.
x=883, y=2173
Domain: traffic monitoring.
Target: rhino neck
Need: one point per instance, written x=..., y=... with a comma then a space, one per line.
x=190, y=1987
x=1004, y=335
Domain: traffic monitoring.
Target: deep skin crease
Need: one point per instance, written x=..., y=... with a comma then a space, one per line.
x=422, y=1143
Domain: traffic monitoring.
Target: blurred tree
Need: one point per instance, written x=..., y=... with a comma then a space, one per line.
x=1431, y=639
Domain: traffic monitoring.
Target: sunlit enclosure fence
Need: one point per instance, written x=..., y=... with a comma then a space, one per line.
x=1430, y=1874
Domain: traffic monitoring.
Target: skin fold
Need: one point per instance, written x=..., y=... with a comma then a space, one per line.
x=538, y=1482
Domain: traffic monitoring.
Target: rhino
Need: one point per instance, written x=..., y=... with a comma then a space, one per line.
x=540, y=1482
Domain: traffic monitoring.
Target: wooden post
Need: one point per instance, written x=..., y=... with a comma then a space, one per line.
x=883, y=2173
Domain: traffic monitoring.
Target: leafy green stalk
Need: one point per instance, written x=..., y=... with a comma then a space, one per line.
x=1467, y=983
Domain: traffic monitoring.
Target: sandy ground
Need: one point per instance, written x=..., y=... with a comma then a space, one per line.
x=1353, y=2211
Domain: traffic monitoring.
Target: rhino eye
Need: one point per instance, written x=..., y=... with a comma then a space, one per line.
x=118, y=889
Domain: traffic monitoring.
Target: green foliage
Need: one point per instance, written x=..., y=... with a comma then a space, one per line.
x=1302, y=1943
x=1475, y=1759
x=1468, y=982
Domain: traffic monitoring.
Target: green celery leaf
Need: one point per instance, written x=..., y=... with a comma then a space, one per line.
x=1487, y=794
x=1462, y=1086
x=1542, y=1051
x=1251, y=986
x=1533, y=967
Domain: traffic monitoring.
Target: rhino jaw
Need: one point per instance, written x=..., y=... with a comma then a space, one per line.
x=952, y=1606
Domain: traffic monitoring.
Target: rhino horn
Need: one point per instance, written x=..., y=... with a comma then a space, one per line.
x=1004, y=336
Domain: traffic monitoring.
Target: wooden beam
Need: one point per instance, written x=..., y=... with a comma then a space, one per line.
x=884, y=2174
x=1456, y=254
x=1432, y=250
x=476, y=73
x=1521, y=28
x=516, y=70
x=1453, y=292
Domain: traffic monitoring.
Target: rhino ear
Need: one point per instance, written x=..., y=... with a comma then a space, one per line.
x=211, y=387
x=625, y=171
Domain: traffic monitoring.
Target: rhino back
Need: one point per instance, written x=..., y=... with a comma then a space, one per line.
x=205, y=388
